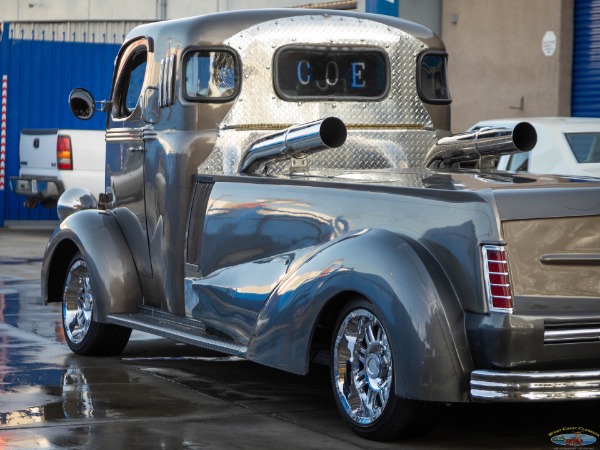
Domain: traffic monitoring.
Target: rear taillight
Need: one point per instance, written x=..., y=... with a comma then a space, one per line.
x=496, y=278
x=64, y=154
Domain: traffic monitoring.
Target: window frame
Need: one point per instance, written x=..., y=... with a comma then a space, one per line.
x=119, y=110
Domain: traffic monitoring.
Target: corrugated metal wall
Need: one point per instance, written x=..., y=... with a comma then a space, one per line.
x=43, y=62
x=586, y=59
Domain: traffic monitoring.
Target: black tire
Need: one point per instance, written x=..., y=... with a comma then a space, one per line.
x=84, y=335
x=362, y=378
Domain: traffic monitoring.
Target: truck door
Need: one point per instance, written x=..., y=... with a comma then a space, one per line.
x=126, y=131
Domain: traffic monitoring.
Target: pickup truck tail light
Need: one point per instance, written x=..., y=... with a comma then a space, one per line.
x=64, y=155
x=497, y=278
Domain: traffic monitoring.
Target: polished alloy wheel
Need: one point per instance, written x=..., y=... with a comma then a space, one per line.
x=362, y=369
x=78, y=302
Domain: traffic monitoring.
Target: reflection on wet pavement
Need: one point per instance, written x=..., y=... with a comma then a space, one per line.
x=21, y=307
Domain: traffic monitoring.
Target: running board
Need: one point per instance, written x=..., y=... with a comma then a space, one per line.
x=182, y=329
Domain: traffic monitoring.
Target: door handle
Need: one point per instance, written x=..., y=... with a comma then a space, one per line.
x=135, y=149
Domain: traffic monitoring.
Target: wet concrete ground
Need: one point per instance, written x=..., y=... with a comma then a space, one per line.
x=165, y=395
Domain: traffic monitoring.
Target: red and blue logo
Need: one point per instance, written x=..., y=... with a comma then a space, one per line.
x=573, y=437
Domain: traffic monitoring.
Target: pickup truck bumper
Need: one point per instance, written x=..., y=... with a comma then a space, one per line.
x=496, y=386
x=37, y=187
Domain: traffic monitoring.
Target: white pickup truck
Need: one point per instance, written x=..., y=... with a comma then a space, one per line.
x=54, y=160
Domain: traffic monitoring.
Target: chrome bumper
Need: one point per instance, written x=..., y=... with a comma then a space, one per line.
x=491, y=386
x=40, y=187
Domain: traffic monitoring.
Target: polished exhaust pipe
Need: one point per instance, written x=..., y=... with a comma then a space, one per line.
x=482, y=143
x=297, y=141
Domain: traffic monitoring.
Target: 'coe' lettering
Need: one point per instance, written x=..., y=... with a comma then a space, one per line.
x=329, y=80
x=331, y=76
x=302, y=79
x=357, y=74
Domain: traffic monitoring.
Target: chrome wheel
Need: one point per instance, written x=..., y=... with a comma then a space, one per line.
x=78, y=302
x=362, y=370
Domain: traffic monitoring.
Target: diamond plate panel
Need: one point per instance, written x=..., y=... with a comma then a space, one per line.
x=395, y=132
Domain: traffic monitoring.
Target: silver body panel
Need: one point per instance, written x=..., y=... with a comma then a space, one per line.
x=258, y=264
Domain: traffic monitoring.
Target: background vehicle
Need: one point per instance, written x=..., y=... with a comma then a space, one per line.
x=281, y=188
x=566, y=146
x=53, y=160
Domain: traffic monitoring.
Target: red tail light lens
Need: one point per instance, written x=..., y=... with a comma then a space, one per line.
x=496, y=278
x=64, y=154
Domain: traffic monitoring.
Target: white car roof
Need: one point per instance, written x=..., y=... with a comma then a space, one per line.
x=561, y=123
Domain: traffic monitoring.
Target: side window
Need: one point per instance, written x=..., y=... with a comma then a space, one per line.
x=585, y=146
x=136, y=80
x=433, y=78
x=130, y=81
x=210, y=75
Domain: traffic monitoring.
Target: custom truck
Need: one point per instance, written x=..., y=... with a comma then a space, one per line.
x=53, y=160
x=282, y=185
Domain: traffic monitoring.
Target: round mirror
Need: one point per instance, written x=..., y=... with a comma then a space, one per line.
x=81, y=103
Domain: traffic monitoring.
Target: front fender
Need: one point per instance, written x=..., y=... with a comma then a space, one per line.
x=97, y=235
x=409, y=291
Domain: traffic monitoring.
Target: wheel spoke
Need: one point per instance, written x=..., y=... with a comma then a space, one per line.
x=360, y=382
x=369, y=333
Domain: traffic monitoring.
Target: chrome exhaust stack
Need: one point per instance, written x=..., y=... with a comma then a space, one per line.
x=484, y=143
x=297, y=141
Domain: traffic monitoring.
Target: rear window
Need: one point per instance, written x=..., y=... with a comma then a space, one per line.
x=326, y=73
x=210, y=75
x=585, y=146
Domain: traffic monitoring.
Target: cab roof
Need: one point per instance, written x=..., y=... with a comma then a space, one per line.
x=214, y=29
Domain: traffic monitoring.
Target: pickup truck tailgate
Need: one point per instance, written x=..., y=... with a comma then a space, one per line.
x=34, y=151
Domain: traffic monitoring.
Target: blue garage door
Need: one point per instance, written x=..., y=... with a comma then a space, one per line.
x=39, y=70
x=586, y=59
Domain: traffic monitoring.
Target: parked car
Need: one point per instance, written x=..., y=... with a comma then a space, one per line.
x=281, y=188
x=566, y=146
x=52, y=161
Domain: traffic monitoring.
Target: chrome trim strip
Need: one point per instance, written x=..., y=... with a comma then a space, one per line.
x=149, y=135
x=570, y=259
x=169, y=79
x=131, y=134
x=572, y=335
x=180, y=331
x=354, y=126
x=124, y=134
x=487, y=385
x=161, y=84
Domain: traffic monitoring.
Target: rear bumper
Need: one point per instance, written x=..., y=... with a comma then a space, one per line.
x=36, y=187
x=512, y=386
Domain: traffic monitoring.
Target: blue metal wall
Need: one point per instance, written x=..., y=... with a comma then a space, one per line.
x=41, y=73
x=585, y=100
x=386, y=7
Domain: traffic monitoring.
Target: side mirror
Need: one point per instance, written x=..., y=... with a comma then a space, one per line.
x=81, y=103
x=150, y=106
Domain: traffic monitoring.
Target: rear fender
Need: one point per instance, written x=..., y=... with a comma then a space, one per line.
x=408, y=290
x=97, y=235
